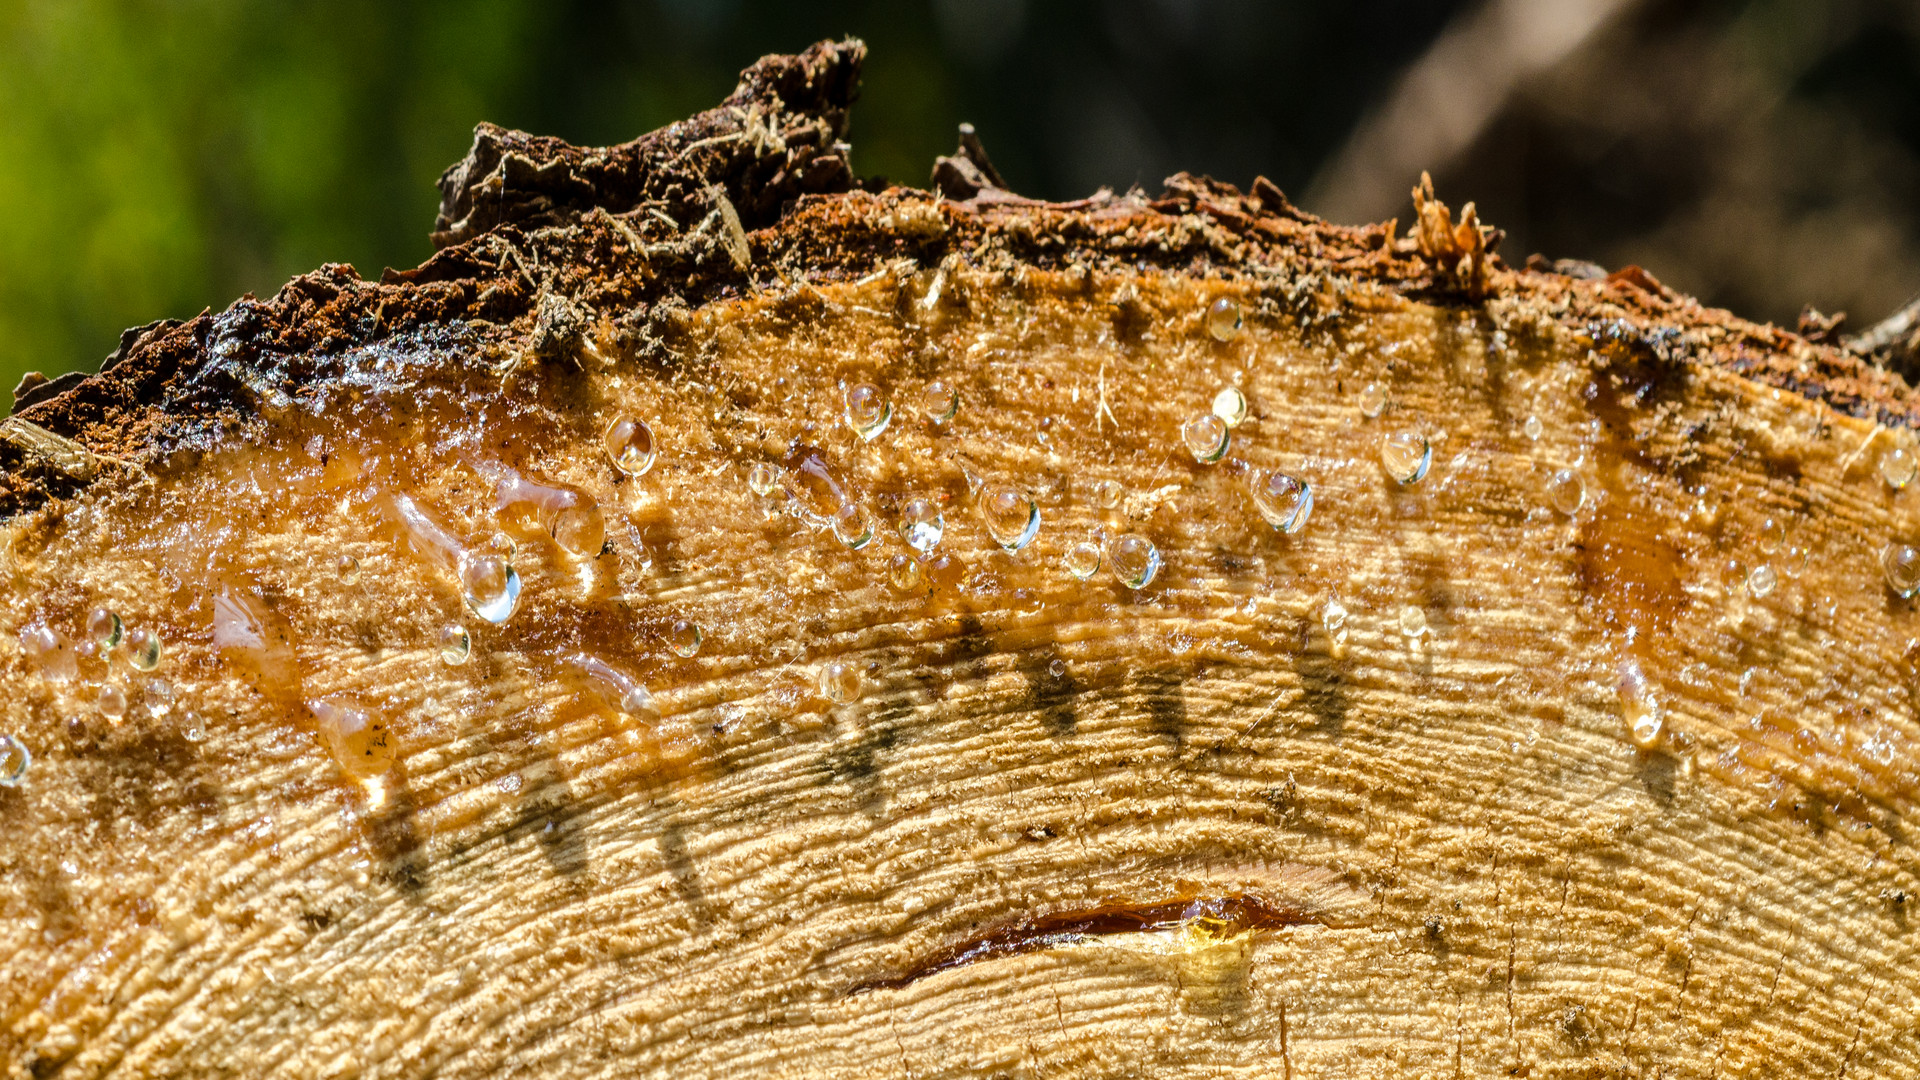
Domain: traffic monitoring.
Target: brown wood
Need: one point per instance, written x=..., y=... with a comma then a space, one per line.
x=1366, y=799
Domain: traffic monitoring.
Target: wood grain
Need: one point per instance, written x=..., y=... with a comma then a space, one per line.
x=1066, y=828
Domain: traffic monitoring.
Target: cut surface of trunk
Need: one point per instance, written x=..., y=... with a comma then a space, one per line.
x=715, y=618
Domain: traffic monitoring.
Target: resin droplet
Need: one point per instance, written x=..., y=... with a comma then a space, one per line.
x=684, y=637
x=1772, y=535
x=1082, y=559
x=104, y=627
x=762, y=478
x=1406, y=456
x=1373, y=399
x=346, y=568
x=853, y=526
x=1413, y=620
x=581, y=529
x=1011, y=517
x=1135, y=561
x=938, y=402
x=1901, y=565
x=1640, y=707
x=1284, y=501
x=455, y=644
x=1206, y=438
x=112, y=701
x=1898, y=467
x=143, y=649
x=362, y=745
x=840, y=681
x=921, y=524
x=1333, y=617
x=1532, y=429
x=1761, y=581
x=1223, y=319
x=14, y=761
x=490, y=585
x=1107, y=494
x=1566, y=492
x=1230, y=405
x=946, y=571
x=620, y=689
x=630, y=446
x=904, y=575
x=867, y=411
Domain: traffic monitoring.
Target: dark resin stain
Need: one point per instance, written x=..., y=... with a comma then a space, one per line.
x=1223, y=915
x=1629, y=568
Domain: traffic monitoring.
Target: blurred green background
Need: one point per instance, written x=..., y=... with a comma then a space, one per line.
x=161, y=156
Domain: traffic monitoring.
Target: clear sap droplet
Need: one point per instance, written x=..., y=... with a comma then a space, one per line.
x=1011, y=517
x=1135, y=561
x=1566, y=492
x=1057, y=668
x=614, y=685
x=1898, y=467
x=763, y=477
x=840, y=681
x=1284, y=501
x=143, y=649
x=490, y=585
x=684, y=637
x=938, y=402
x=346, y=568
x=945, y=571
x=867, y=411
x=1333, y=616
x=921, y=523
x=1762, y=581
x=49, y=651
x=1230, y=405
x=1406, y=456
x=111, y=701
x=455, y=644
x=1373, y=399
x=904, y=575
x=1772, y=535
x=1900, y=563
x=581, y=529
x=362, y=745
x=630, y=446
x=1532, y=429
x=1413, y=620
x=853, y=526
x=104, y=627
x=1223, y=319
x=1640, y=707
x=14, y=761
x=1081, y=559
x=1206, y=438
x=1106, y=494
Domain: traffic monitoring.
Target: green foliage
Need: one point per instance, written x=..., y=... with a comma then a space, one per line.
x=161, y=156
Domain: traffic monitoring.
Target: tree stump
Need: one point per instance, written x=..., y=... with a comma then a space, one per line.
x=717, y=618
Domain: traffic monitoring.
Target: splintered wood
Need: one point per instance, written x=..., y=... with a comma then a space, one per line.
x=975, y=663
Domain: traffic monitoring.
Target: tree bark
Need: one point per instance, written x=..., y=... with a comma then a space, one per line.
x=1588, y=752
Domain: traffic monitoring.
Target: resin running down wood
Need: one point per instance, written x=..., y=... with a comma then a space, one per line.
x=766, y=626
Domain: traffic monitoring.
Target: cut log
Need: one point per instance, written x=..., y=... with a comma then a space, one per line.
x=716, y=619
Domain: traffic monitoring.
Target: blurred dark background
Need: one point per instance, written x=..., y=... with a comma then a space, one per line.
x=160, y=156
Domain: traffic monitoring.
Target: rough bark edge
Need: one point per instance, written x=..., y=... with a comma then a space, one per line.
x=541, y=241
